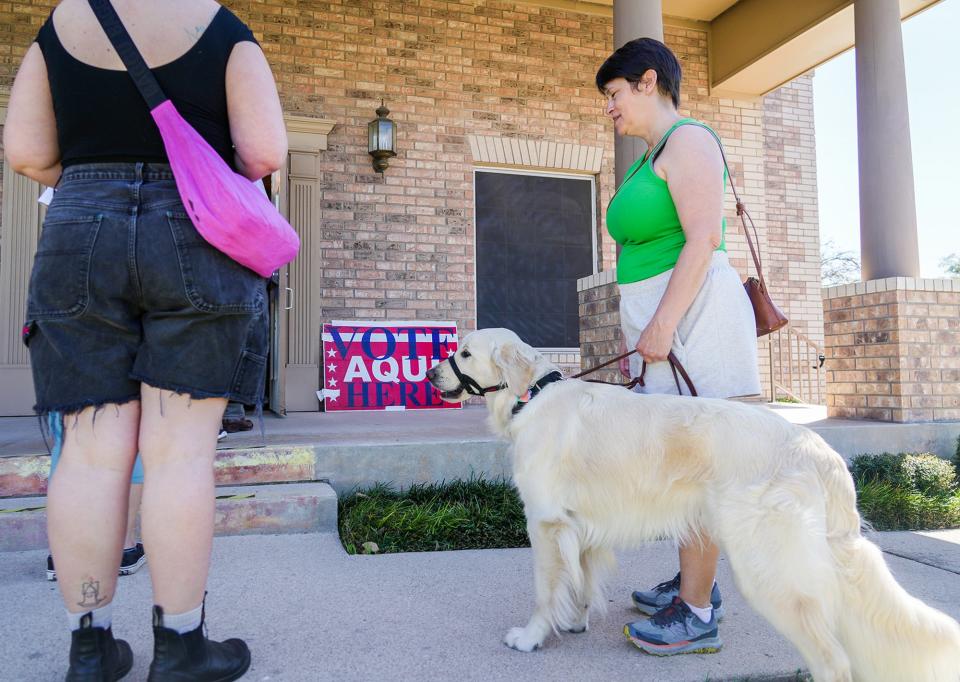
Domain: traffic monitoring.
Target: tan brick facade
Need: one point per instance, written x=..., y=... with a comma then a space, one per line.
x=402, y=243
x=791, y=257
x=893, y=349
x=600, y=324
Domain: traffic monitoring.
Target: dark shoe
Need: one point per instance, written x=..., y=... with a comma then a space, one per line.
x=234, y=425
x=133, y=559
x=661, y=596
x=191, y=656
x=95, y=656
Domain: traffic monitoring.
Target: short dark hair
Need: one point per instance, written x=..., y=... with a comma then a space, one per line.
x=633, y=59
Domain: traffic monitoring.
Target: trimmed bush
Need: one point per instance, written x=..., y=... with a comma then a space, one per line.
x=886, y=467
x=956, y=458
x=921, y=472
x=929, y=474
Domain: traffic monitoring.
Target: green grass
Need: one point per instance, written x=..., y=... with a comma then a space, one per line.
x=472, y=514
x=889, y=507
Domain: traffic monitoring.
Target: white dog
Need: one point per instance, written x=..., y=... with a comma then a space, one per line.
x=599, y=467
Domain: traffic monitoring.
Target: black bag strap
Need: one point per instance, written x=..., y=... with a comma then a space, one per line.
x=144, y=79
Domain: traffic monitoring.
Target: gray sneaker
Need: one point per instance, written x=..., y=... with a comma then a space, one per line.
x=674, y=630
x=661, y=596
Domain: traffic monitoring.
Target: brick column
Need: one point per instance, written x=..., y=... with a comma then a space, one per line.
x=600, y=323
x=893, y=349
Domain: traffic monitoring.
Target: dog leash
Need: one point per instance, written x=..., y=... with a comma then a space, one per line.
x=675, y=366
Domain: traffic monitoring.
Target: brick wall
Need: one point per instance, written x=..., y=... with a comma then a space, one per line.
x=893, y=349
x=600, y=334
x=791, y=229
x=401, y=244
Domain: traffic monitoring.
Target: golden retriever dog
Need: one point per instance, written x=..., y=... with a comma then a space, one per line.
x=599, y=467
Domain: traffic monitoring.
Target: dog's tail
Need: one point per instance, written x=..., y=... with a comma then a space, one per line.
x=888, y=634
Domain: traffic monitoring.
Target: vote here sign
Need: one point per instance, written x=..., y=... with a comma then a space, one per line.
x=383, y=365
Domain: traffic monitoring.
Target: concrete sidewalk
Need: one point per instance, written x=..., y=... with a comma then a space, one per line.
x=311, y=612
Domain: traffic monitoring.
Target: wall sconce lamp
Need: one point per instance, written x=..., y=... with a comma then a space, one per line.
x=381, y=139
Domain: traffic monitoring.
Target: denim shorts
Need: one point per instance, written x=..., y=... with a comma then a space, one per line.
x=124, y=290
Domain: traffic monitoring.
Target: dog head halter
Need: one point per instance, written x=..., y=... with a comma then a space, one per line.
x=468, y=383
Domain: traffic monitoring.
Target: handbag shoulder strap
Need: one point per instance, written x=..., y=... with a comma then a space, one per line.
x=741, y=207
x=132, y=59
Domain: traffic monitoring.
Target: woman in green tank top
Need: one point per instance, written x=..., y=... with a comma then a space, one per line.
x=677, y=292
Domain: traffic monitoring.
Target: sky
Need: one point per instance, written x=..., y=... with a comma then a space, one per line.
x=932, y=62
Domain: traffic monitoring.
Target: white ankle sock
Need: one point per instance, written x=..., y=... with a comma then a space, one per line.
x=183, y=622
x=102, y=617
x=703, y=614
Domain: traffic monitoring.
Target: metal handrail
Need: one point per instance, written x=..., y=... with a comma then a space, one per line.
x=795, y=367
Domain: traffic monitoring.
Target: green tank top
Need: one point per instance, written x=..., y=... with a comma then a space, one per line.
x=643, y=219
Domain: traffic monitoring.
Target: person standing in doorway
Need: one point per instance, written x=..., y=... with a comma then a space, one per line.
x=678, y=293
x=139, y=331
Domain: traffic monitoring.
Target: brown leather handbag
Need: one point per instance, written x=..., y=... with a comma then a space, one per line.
x=768, y=315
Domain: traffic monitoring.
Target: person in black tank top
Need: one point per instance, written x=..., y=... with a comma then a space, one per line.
x=101, y=117
x=129, y=309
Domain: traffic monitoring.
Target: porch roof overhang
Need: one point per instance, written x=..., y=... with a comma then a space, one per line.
x=756, y=46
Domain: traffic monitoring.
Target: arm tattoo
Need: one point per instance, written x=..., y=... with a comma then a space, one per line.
x=90, y=594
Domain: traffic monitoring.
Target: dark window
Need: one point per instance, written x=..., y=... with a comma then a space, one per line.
x=534, y=240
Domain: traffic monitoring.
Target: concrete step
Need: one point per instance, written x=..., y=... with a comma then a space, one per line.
x=344, y=465
x=26, y=475
x=241, y=510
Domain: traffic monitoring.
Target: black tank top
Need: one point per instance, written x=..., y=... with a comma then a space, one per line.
x=101, y=116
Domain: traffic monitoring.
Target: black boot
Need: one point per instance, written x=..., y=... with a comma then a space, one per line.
x=191, y=656
x=95, y=656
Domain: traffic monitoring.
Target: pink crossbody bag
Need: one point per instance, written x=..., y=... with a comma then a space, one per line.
x=230, y=212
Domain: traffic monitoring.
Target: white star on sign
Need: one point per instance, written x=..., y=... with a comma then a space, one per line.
x=333, y=382
x=451, y=352
x=332, y=367
x=332, y=353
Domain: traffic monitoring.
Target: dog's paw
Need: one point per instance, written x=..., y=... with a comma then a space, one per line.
x=519, y=639
x=576, y=629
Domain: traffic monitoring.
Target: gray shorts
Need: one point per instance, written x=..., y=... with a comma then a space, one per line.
x=716, y=339
x=124, y=290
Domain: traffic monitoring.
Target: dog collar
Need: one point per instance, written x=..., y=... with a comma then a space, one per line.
x=532, y=392
x=468, y=383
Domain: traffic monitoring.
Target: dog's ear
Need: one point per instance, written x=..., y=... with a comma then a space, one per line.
x=517, y=363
